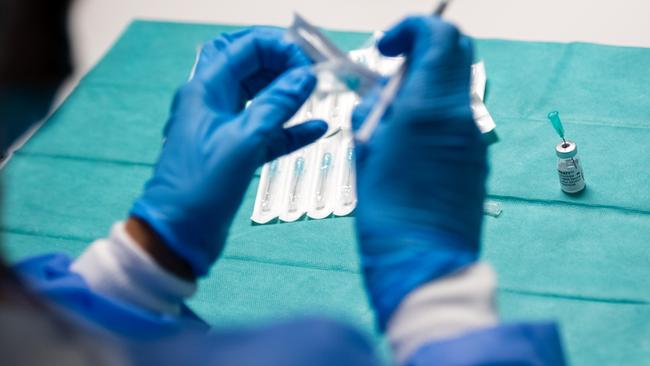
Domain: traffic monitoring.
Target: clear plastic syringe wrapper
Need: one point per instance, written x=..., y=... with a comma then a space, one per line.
x=332, y=162
x=281, y=182
x=327, y=57
x=309, y=182
x=346, y=191
x=296, y=194
x=319, y=180
x=320, y=203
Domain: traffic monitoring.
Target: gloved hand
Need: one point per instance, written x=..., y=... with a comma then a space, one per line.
x=421, y=175
x=213, y=145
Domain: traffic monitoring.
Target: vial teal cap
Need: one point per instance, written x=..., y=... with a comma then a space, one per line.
x=566, y=150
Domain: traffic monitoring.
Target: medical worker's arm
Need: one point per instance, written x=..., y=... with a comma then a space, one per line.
x=212, y=147
x=421, y=185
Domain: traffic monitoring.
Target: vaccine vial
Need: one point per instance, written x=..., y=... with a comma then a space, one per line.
x=572, y=179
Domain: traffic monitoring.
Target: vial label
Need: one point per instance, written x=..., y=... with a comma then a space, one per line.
x=571, y=176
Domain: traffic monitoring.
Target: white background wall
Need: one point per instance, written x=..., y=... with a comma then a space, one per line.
x=97, y=23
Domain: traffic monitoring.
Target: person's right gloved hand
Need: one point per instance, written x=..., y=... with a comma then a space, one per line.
x=421, y=175
x=213, y=145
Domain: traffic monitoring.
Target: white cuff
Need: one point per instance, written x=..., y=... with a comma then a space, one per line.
x=444, y=308
x=117, y=267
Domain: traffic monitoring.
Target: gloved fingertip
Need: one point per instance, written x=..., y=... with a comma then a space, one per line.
x=319, y=126
x=305, y=133
x=399, y=38
x=390, y=45
x=314, y=129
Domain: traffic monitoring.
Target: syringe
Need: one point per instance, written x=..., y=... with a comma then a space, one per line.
x=296, y=180
x=323, y=174
x=347, y=192
x=267, y=196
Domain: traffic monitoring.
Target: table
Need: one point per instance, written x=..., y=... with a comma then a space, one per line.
x=582, y=261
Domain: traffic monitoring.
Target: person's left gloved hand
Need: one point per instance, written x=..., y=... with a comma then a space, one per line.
x=213, y=145
x=421, y=176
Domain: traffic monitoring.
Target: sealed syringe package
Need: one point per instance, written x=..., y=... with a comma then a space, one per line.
x=318, y=181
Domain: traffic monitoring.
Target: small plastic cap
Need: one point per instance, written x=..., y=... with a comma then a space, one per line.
x=566, y=150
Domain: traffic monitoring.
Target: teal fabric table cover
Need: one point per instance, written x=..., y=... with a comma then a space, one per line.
x=583, y=261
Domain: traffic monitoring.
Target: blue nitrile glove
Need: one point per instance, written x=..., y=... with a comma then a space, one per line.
x=421, y=176
x=213, y=146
